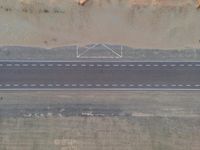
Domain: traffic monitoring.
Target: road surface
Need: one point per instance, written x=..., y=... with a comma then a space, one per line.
x=30, y=75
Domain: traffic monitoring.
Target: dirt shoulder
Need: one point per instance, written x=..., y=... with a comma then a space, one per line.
x=92, y=120
x=139, y=24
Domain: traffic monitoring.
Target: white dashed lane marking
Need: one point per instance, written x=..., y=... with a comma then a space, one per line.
x=17, y=65
x=32, y=85
x=26, y=85
x=9, y=65
x=50, y=65
x=41, y=85
x=131, y=65
x=99, y=65
x=59, y=65
x=106, y=85
x=148, y=65
x=25, y=65
x=107, y=65
x=89, y=85
x=67, y=65
x=123, y=65
x=81, y=85
x=34, y=65
x=42, y=65
x=173, y=65
x=164, y=65
x=74, y=65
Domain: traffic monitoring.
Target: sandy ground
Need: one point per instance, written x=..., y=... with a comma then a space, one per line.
x=147, y=121
x=138, y=24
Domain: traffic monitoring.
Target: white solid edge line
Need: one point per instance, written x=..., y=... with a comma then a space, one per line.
x=124, y=61
x=97, y=89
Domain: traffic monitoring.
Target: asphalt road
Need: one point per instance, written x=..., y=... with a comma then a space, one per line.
x=18, y=75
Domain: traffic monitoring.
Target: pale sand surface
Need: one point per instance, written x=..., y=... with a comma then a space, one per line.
x=138, y=24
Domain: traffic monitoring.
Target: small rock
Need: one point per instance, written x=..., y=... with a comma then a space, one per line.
x=82, y=2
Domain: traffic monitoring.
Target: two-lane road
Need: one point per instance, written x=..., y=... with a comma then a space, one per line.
x=30, y=75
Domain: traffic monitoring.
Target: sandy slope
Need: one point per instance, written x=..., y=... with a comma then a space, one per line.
x=136, y=23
